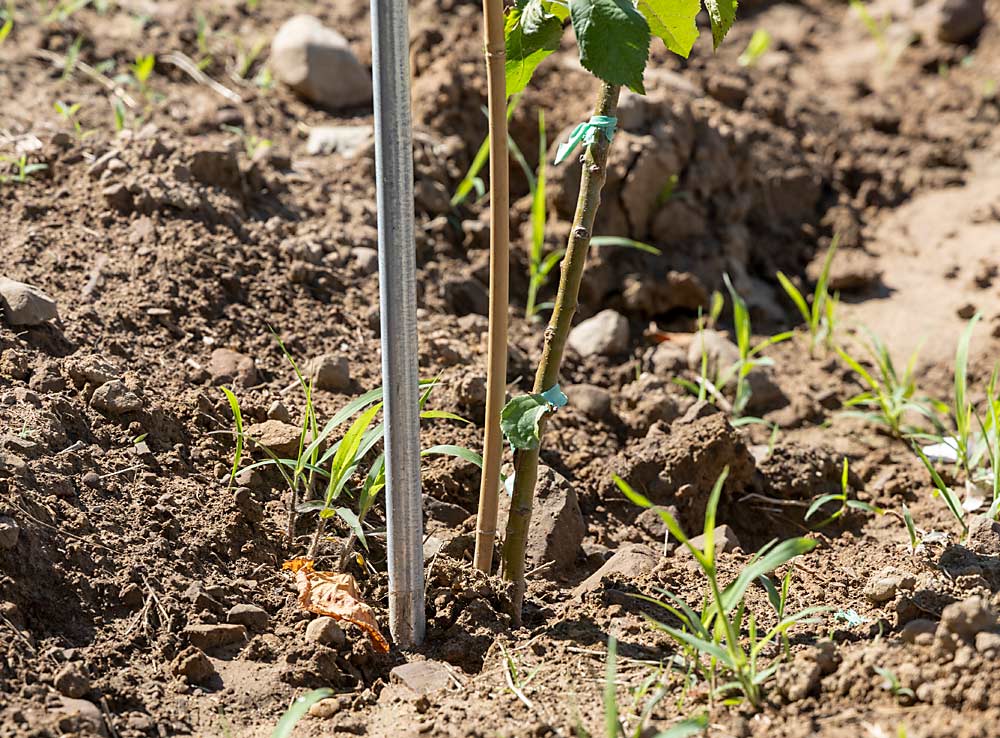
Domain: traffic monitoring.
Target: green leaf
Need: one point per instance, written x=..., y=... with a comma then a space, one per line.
x=519, y=420
x=625, y=243
x=783, y=552
x=673, y=21
x=6, y=29
x=531, y=33
x=722, y=14
x=614, y=40
x=299, y=707
x=685, y=728
x=234, y=404
x=353, y=522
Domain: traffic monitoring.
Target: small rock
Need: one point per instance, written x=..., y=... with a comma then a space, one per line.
x=422, y=677
x=345, y=140
x=557, y=526
x=193, y=666
x=278, y=411
x=118, y=197
x=207, y=637
x=852, y=270
x=281, y=438
x=216, y=168
x=630, y=561
x=592, y=401
x=92, y=479
x=650, y=522
x=465, y=295
x=605, y=334
x=724, y=537
x=330, y=372
x=325, y=709
x=668, y=359
x=956, y=21
x=966, y=311
x=984, y=536
x=445, y=512
x=988, y=642
x=252, y=617
x=24, y=447
x=882, y=585
x=114, y=398
x=720, y=353
x=366, y=258
x=915, y=629
x=326, y=631
x=796, y=680
x=80, y=717
x=91, y=369
x=71, y=681
x=231, y=367
x=967, y=618
x=318, y=63
x=9, y=532
x=25, y=305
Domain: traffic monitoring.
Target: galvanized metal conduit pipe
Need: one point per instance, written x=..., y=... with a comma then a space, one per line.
x=398, y=302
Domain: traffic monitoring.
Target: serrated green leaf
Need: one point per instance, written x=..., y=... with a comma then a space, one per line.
x=519, y=420
x=673, y=21
x=614, y=40
x=722, y=14
x=531, y=33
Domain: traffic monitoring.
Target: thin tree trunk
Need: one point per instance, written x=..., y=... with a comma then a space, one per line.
x=595, y=160
x=496, y=376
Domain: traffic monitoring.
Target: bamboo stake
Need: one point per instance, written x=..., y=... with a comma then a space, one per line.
x=595, y=160
x=496, y=376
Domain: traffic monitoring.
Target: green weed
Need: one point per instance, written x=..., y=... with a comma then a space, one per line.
x=712, y=639
x=68, y=113
x=889, y=395
x=24, y=168
x=845, y=502
x=759, y=43
x=820, y=316
x=911, y=529
x=892, y=684
x=5, y=29
x=297, y=710
x=943, y=491
x=540, y=265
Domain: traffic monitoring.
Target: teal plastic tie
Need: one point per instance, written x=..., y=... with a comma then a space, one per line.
x=587, y=133
x=555, y=396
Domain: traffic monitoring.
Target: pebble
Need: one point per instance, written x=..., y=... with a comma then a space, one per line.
x=957, y=21
x=882, y=585
x=631, y=560
x=71, y=681
x=345, y=140
x=724, y=537
x=278, y=411
x=114, y=398
x=211, y=636
x=118, y=197
x=91, y=369
x=967, y=618
x=605, y=334
x=326, y=631
x=327, y=708
x=254, y=618
x=9, y=532
x=421, y=677
x=720, y=353
x=231, y=367
x=966, y=311
x=919, y=629
x=366, y=258
x=80, y=717
x=282, y=438
x=330, y=372
x=193, y=666
x=318, y=63
x=592, y=401
x=26, y=305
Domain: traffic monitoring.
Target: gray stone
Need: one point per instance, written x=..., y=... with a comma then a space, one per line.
x=630, y=561
x=650, y=522
x=250, y=616
x=345, y=140
x=281, y=438
x=216, y=635
x=91, y=369
x=330, y=372
x=71, y=681
x=988, y=642
x=592, y=401
x=983, y=536
x=967, y=618
x=557, y=526
x=318, y=63
x=605, y=334
x=193, y=666
x=718, y=350
x=231, y=367
x=326, y=631
x=724, y=537
x=117, y=196
x=114, y=398
x=956, y=21
x=25, y=305
x=9, y=532
x=278, y=411
x=421, y=677
x=366, y=258
x=883, y=585
x=668, y=359
x=80, y=717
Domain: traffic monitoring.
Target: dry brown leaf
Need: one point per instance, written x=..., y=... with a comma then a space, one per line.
x=335, y=595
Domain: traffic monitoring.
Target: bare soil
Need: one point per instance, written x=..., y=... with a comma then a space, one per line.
x=198, y=238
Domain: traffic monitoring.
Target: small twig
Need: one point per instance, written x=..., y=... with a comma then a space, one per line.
x=103, y=80
x=121, y=471
x=186, y=64
x=70, y=449
x=94, y=277
x=18, y=633
x=107, y=717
